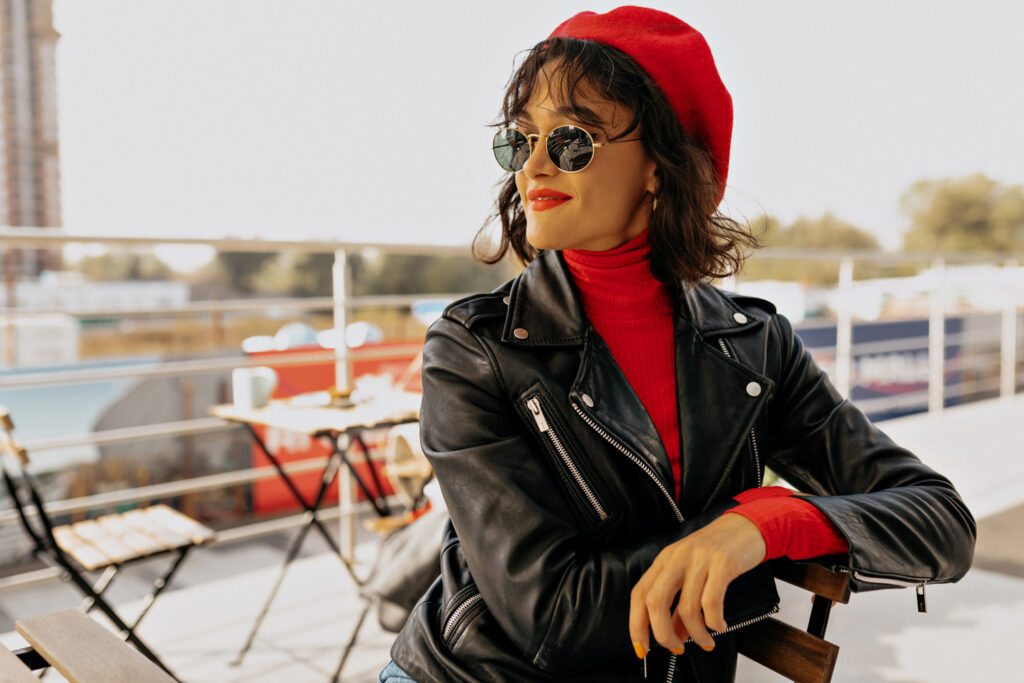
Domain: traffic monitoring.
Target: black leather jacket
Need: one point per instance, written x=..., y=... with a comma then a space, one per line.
x=559, y=487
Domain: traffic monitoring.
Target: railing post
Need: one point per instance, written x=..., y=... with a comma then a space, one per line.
x=1008, y=350
x=343, y=382
x=937, y=339
x=343, y=361
x=9, y=331
x=844, y=327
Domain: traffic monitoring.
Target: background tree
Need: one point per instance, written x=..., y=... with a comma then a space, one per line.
x=825, y=232
x=243, y=269
x=122, y=264
x=311, y=274
x=974, y=213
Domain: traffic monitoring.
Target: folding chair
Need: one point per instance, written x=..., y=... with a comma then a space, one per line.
x=801, y=656
x=101, y=545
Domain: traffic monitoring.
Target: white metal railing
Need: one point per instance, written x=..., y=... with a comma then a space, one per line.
x=341, y=304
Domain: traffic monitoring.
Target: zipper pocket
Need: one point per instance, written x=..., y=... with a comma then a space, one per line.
x=533, y=405
x=457, y=614
x=635, y=459
x=753, y=432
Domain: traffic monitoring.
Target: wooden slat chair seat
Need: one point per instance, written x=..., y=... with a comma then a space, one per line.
x=103, y=544
x=801, y=656
x=117, y=539
x=83, y=651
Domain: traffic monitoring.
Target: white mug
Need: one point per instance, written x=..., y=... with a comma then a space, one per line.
x=252, y=387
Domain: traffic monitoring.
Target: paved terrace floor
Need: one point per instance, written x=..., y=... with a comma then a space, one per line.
x=970, y=633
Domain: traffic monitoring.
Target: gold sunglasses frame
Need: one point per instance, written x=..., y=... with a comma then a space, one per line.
x=533, y=138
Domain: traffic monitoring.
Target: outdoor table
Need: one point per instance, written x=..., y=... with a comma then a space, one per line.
x=341, y=427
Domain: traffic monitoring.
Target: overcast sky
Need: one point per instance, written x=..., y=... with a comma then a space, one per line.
x=368, y=120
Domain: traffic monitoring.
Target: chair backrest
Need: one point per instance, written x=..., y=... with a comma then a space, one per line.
x=801, y=656
x=9, y=446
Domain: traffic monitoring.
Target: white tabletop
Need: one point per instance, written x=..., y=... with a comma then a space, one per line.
x=319, y=420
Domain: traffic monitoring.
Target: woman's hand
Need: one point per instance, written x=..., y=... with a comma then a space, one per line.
x=699, y=568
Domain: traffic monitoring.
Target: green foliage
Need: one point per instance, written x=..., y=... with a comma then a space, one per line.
x=311, y=274
x=122, y=264
x=243, y=269
x=974, y=213
x=825, y=232
x=416, y=274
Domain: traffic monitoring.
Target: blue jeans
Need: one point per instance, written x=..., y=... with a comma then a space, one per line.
x=392, y=674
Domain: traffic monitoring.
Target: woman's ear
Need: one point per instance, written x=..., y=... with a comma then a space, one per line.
x=653, y=183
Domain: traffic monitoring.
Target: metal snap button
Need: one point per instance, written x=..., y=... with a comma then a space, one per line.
x=739, y=317
x=505, y=301
x=754, y=389
x=520, y=333
x=586, y=399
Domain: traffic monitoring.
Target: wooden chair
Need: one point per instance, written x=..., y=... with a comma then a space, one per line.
x=104, y=544
x=801, y=656
x=80, y=649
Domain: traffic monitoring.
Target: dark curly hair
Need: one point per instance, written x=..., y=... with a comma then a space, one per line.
x=690, y=240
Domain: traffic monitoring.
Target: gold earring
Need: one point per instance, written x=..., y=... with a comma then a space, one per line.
x=654, y=206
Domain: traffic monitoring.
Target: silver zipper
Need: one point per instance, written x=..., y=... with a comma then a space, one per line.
x=535, y=409
x=918, y=586
x=753, y=433
x=654, y=477
x=625, y=451
x=741, y=624
x=449, y=626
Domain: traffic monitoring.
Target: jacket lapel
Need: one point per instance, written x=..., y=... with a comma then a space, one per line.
x=720, y=396
x=616, y=407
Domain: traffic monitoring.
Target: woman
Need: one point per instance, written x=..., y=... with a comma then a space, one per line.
x=592, y=421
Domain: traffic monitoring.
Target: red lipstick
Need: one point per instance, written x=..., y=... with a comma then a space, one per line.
x=542, y=199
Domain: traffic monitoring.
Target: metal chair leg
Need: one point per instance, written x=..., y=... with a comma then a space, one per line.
x=293, y=550
x=109, y=612
x=101, y=585
x=160, y=584
x=351, y=642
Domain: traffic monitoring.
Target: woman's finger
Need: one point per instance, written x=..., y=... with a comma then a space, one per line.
x=689, y=609
x=713, y=601
x=659, y=604
x=639, y=624
x=680, y=628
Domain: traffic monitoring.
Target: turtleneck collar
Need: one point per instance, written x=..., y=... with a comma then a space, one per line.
x=617, y=284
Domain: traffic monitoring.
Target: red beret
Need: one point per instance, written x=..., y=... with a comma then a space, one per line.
x=679, y=60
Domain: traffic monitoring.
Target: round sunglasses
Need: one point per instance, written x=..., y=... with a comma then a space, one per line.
x=570, y=148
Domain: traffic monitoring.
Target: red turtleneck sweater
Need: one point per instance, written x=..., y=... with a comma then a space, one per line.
x=634, y=316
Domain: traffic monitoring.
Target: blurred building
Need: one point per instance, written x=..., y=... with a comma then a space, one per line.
x=29, y=153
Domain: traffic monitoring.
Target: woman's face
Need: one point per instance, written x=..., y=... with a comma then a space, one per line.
x=608, y=203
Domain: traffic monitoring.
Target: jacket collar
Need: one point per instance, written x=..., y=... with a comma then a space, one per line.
x=544, y=308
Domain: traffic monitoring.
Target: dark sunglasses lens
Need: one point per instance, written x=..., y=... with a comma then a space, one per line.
x=511, y=149
x=570, y=148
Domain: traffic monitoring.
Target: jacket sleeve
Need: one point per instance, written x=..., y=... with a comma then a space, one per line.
x=552, y=594
x=905, y=523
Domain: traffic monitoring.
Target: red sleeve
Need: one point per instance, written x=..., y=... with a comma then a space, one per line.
x=790, y=526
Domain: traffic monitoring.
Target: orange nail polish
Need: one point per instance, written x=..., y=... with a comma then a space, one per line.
x=679, y=651
x=640, y=651
x=707, y=649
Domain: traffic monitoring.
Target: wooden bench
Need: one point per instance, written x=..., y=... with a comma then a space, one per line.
x=82, y=651
x=801, y=656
